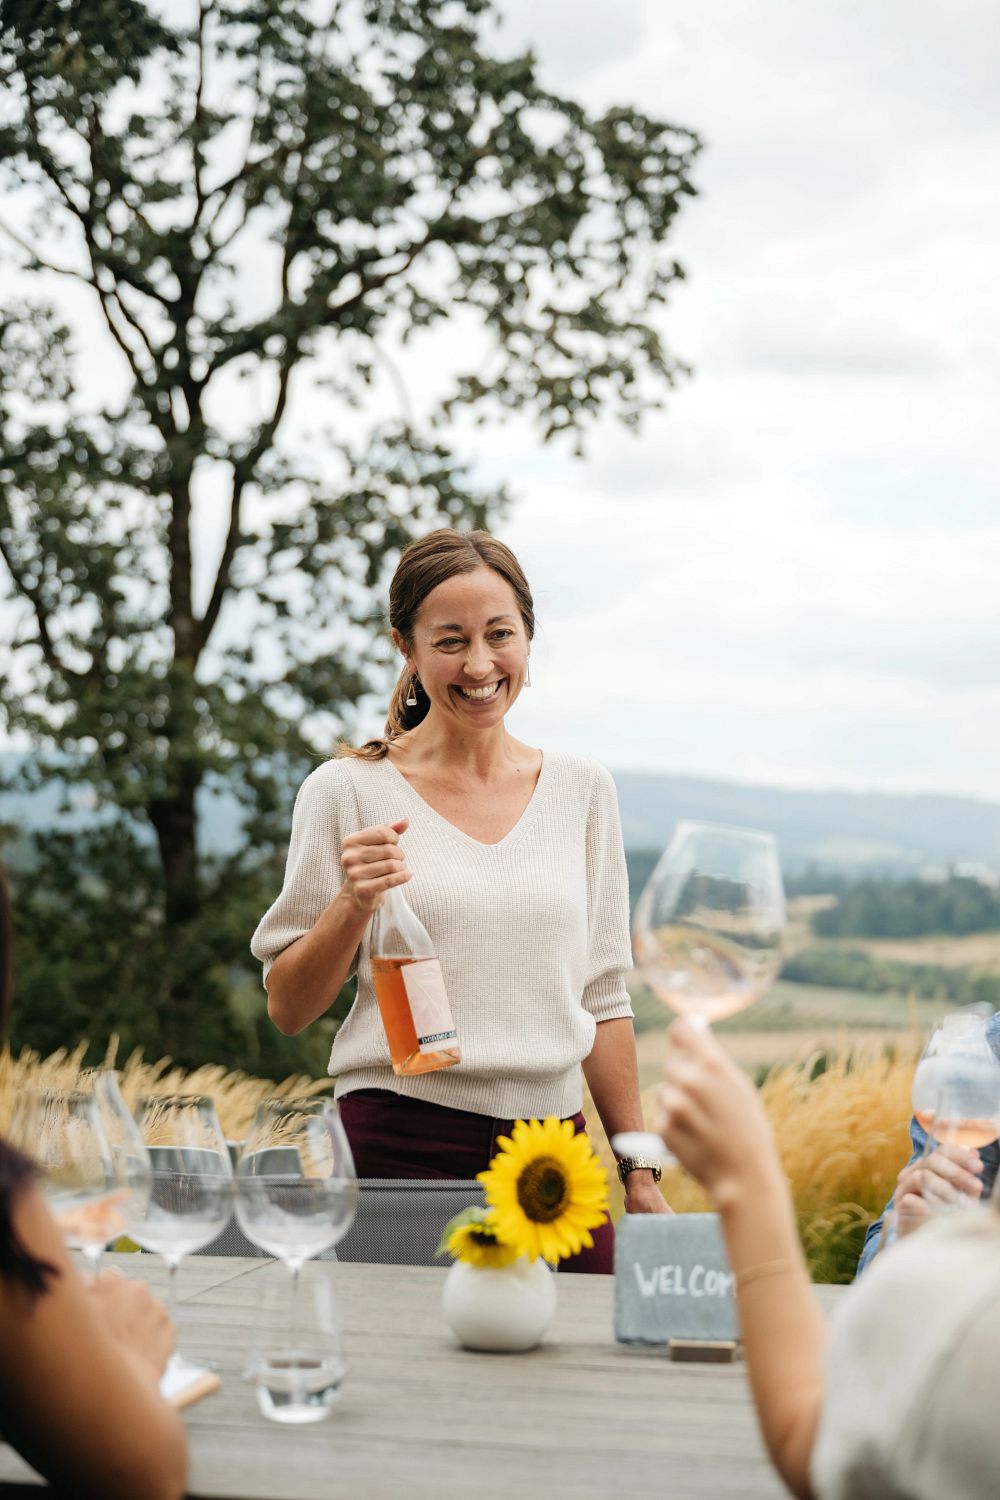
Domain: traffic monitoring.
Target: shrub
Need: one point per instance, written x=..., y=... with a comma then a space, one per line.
x=840, y=1122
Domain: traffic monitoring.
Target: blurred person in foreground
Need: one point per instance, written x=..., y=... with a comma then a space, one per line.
x=80, y=1358
x=897, y=1399
x=958, y=1170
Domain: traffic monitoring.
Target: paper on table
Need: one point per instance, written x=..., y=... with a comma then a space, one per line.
x=181, y=1383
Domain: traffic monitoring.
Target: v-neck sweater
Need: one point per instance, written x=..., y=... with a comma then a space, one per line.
x=532, y=931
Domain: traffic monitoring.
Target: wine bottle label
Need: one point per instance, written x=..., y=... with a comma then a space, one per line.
x=432, y=1018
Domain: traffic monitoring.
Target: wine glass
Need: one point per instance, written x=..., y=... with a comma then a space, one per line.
x=63, y=1133
x=191, y=1201
x=707, y=933
x=959, y=1029
x=296, y=1195
x=131, y=1167
x=966, y=1110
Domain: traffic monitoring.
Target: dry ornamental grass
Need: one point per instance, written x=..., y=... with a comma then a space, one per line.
x=236, y=1095
x=840, y=1122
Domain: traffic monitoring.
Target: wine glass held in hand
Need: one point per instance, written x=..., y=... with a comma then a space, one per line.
x=191, y=1201
x=965, y=1113
x=64, y=1135
x=707, y=932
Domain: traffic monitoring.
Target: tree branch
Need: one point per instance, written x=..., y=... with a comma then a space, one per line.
x=39, y=260
x=197, y=155
x=220, y=587
x=333, y=312
x=34, y=597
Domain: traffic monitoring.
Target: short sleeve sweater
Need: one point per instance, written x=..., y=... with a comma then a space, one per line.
x=911, y=1371
x=531, y=932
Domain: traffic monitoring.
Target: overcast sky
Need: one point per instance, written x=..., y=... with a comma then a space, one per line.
x=789, y=577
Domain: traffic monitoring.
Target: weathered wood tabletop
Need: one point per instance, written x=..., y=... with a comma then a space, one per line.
x=420, y=1419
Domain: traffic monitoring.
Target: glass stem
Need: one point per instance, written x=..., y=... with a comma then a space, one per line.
x=172, y=1266
x=295, y=1267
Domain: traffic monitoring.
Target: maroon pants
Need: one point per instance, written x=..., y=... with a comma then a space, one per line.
x=392, y=1135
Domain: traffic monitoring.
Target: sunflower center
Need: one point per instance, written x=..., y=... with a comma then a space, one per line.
x=542, y=1189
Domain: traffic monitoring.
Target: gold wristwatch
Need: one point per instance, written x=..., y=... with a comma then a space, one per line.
x=627, y=1164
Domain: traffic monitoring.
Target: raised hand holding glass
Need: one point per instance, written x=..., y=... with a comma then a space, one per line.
x=707, y=932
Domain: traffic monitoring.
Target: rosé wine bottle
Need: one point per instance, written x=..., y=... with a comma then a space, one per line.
x=410, y=990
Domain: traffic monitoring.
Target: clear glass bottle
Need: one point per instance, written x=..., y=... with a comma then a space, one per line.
x=410, y=990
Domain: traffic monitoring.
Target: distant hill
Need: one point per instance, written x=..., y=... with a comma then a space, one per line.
x=851, y=832
x=847, y=832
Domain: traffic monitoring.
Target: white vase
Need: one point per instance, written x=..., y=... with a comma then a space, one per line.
x=506, y=1310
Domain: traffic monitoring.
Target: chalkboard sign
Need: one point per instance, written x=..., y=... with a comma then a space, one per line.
x=672, y=1279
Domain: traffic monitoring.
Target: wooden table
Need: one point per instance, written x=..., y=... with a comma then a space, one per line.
x=580, y=1417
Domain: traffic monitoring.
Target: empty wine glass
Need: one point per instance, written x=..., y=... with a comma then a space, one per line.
x=63, y=1133
x=131, y=1168
x=707, y=932
x=296, y=1196
x=191, y=1201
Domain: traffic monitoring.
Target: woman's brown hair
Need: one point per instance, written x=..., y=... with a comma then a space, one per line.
x=430, y=560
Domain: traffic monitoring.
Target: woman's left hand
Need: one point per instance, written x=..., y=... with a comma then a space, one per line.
x=643, y=1196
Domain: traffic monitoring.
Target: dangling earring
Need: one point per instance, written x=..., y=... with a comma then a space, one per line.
x=411, y=696
x=527, y=673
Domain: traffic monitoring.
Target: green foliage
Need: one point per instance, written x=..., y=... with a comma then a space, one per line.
x=640, y=864
x=852, y=968
x=95, y=959
x=253, y=196
x=814, y=880
x=833, y=1242
x=911, y=908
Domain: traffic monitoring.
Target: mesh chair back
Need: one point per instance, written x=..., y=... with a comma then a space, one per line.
x=399, y=1220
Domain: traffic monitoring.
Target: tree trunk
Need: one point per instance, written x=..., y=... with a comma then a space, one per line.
x=174, y=817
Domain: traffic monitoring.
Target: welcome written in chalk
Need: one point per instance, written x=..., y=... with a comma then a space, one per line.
x=672, y=1280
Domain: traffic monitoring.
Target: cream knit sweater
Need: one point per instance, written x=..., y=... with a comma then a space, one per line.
x=532, y=932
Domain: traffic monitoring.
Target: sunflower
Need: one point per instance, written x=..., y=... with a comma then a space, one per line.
x=472, y=1236
x=546, y=1189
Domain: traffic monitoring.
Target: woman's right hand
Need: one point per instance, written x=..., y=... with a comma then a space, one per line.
x=372, y=862
x=710, y=1114
x=134, y=1318
x=944, y=1177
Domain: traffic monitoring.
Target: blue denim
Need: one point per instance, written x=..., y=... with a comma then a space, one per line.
x=918, y=1137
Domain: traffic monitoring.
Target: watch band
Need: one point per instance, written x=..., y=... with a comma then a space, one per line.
x=627, y=1164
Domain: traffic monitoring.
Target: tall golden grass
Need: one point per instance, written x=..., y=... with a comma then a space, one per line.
x=840, y=1122
x=236, y=1094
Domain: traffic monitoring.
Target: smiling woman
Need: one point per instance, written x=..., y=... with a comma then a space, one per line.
x=518, y=874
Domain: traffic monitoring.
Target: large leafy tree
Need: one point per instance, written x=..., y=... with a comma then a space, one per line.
x=255, y=202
